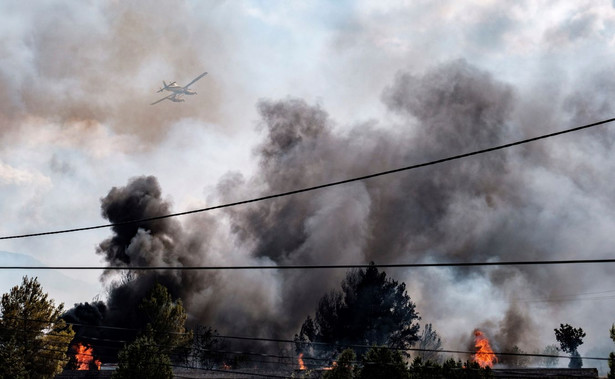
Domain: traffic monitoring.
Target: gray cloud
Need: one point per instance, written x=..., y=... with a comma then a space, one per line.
x=100, y=63
x=87, y=65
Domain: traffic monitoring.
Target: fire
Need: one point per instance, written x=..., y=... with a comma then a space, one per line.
x=484, y=355
x=300, y=361
x=334, y=365
x=85, y=357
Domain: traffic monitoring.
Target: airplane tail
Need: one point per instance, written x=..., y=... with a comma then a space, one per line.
x=163, y=88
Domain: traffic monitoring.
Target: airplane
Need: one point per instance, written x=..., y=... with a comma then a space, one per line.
x=177, y=90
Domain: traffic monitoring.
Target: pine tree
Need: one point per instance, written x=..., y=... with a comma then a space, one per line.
x=165, y=320
x=370, y=309
x=143, y=359
x=34, y=340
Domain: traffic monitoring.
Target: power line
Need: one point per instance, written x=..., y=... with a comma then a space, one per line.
x=313, y=188
x=266, y=355
x=281, y=340
x=406, y=349
x=317, y=267
x=228, y=371
x=571, y=297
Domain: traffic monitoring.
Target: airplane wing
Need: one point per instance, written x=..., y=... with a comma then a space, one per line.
x=195, y=79
x=164, y=98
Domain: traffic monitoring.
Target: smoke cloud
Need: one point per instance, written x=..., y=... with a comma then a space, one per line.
x=476, y=209
x=93, y=63
x=77, y=78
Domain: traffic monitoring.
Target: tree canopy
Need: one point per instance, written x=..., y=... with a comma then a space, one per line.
x=165, y=333
x=370, y=309
x=450, y=369
x=570, y=339
x=165, y=319
x=343, y=367
x=429, y=345
x=382, y=362
x=34, y=340
x=549, y=361
x=143, y=359
x=203, y=351
x=611, y=373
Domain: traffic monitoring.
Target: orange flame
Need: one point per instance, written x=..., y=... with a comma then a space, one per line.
x=334, y=365
x=85, y=357
x=484, y=355
x=300, y=361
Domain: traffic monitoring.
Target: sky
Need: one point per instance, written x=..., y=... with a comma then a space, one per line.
x=301, y=93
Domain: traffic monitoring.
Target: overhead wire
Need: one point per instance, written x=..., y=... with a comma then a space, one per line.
x=404, y=265
x=316, y=187
x=338, y=345
x=289, y=360
x=440, y=351
x=565, y=298
x=312, y=267
x=176, y=365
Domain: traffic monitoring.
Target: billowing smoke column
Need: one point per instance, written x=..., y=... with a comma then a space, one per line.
x=146, y=244
x=475, y=209
x=166, y=243
x=398, y=218
x=395, y=218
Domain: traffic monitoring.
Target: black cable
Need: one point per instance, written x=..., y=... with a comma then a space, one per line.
x=571, y=297
x=230, y=371
x=404, y=349
x=307, y=189
x=279, y=340
x=308, y=267
x=465, y=352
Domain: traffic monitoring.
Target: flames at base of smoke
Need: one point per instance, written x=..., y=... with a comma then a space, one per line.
x=84, y=356
x=484, y=355
x=300, y=361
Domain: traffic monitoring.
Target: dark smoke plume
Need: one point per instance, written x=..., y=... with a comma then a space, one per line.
x=154, y=243
x=209, y=297
x=475, y=209
x=405, y=217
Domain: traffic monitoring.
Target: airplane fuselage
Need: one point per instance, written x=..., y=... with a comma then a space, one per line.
x=179, y=90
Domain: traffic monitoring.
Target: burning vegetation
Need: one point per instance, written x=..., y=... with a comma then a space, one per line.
x=484, y=355
x=300, y=361
x=84, y=356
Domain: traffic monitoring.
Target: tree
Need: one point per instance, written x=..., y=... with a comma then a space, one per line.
x=570, y=339
x=517, y=357
x=343, y=368
x=450, y=369
x=611, y=374
x=164, y=335
x=429, y=343
x=165, y=320
x=370, y=309
x=383, y=362
x=203, y=347
x=34, y=340
x=550, y=361
x=143, y=359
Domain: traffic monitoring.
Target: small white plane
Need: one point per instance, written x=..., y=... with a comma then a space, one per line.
x=177, y=90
